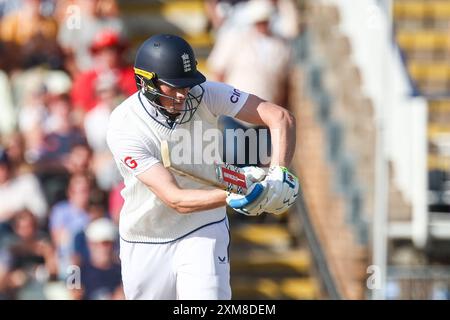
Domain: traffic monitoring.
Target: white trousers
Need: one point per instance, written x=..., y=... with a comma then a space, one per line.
x=195, y=267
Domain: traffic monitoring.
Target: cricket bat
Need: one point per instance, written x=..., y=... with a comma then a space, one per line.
x=221, y=175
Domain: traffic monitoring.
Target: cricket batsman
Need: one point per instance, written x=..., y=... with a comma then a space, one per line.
x=174, y=233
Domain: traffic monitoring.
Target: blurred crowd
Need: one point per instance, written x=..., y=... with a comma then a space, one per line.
x=62, y=71
x=63, y=68
x=253, y=50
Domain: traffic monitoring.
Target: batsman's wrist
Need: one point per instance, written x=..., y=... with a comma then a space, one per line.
x=283, y=168
x=277, y=165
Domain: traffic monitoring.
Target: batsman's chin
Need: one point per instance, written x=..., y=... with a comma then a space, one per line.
x=179, y=106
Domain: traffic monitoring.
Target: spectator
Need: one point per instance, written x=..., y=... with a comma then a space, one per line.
x=79, y=160
x=8, y=6
x=285, y=21
x=32, y=34
x=101, y=277
x=115, y=201
x=107, y=49
x=40, y=51
x=96, y=210
x=108, y=97
x=55, y=179
x=33, y=116
x=8, y=118
x=3, y=277
x=108, y=8
x=30, y=259
x=69, y=217
x=8, y=114
x=233, y=16
x=95, y=125
x=76, y=35
x=27, y=84
x=15, y=149
x=61, y=135
x=261, y=51
x=19, y=191
x=219, y=11
x=20, y=26
x=32, y=112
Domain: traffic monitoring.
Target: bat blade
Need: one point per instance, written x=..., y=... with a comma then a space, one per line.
x=231, y=177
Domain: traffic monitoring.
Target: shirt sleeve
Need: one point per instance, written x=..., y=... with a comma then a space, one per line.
x=223, y=99
x=131, y=152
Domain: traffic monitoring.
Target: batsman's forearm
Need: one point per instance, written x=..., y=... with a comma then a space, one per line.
x=283, y=135
x=192, y=200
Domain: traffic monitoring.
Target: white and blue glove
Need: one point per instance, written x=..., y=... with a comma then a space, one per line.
x=274, y=193
x=251, y=203
x=284, y=190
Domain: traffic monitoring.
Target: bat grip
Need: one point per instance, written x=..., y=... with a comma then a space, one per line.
x=252, y=196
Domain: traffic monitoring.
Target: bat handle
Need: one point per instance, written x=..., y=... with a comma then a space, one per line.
x=252, y=196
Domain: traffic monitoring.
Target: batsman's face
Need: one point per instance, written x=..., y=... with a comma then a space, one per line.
x=175, y=100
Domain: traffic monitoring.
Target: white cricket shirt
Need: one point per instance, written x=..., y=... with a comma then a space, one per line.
x=134, y=133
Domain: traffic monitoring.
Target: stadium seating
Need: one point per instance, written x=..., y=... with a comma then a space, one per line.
x=344, y=118
x=418, y=9
x=330, y=206
x=422, y=34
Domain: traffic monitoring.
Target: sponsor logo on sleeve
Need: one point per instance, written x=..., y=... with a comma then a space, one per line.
x=130, y=162
x=235, y=96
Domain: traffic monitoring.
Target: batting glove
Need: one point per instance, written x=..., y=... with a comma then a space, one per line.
x=284, y=190
x=251, y=203
x=253, y=174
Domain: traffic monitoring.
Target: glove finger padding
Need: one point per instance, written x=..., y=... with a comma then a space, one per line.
x=253, y=174
x=253, y=203
x=284, y=190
